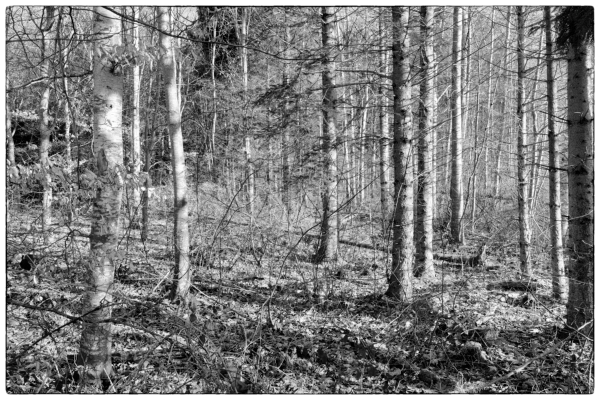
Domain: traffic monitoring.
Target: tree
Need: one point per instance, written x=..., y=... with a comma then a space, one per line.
x=242, y=32
x=524, y=229
x=182, y=278
x=328, y=242
x=456, y=184
x=559, y=283
x=47, y=23
x=424, y=223
x=400, y=279
x=135, y=118
x=384, y=138
x=95, y=345
x=576, y=38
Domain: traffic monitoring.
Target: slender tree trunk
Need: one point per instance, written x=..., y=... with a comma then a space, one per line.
x=148, y=155
x=559, y=282
x=400, y=279
x=503, y=108
x=384, y=141
x=456, y=186
x=287, y=122
x=181, y=237
x=580, y=86
x=328, y=239
x=490, y=107
x=250, y=178
x=95, y=345
x=213, y=129
x=10, y=144
x=434, y=140
x=135, y=122
x=424, y=229
x=45, y=131
x=524, y=229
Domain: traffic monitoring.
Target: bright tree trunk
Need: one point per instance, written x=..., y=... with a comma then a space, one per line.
x=384, y=138
x=328, y=238
x=182, y=274
x=400, y=279
x=456, y=185
x=135, y=119
x=524, y=228
x=559, y=282
x=580, y=306
x=95, y=345
x=250, y=178
x=424, y=228
x=490, y=107
x=45, y=130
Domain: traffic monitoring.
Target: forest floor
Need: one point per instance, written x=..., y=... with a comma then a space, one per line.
x=267, y=320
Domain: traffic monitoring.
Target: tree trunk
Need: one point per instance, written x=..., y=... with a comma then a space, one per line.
x=524, y=229
x=384, y=141
x=580, y=306
x=403, y=226
x=286, y=120
x=424, y=229
x=456, y=186
x=503, y=108
x=135, y=122
x=490, y=108
x=559, y=282
x=250, y=178
x=45, y=131
x=95, y=345
x=328, y=241
x=182, y=274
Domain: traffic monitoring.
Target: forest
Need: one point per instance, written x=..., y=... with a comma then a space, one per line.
x=226, y=199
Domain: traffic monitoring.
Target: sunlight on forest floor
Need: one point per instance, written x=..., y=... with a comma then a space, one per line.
x=269, y=321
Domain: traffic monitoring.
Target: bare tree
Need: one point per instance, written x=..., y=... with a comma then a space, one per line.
x=400, y=279
x=576, y=36
x=524, y=229
x=559, y=283
x=95, y=345
x=47, y=23
x=456, y=185
x=424, y=223
x=328, y=243
x=384, y=138
x=181, y=237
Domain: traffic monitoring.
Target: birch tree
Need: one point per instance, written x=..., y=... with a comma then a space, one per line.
x=182, y=274
x=384, y=140
x=95, y=345
x=524, y=229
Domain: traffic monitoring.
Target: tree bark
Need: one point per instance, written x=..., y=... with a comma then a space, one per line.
x=559, y=282
x=424, y=228
x=328, y=242
x=384, y=138
x=286, y=120
x=400, y=279
x=524, y=228
x=182, y=274
x=95, y=345
x=580, y=70
x=45, y=131
x=135, y=119
x=456, y=186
